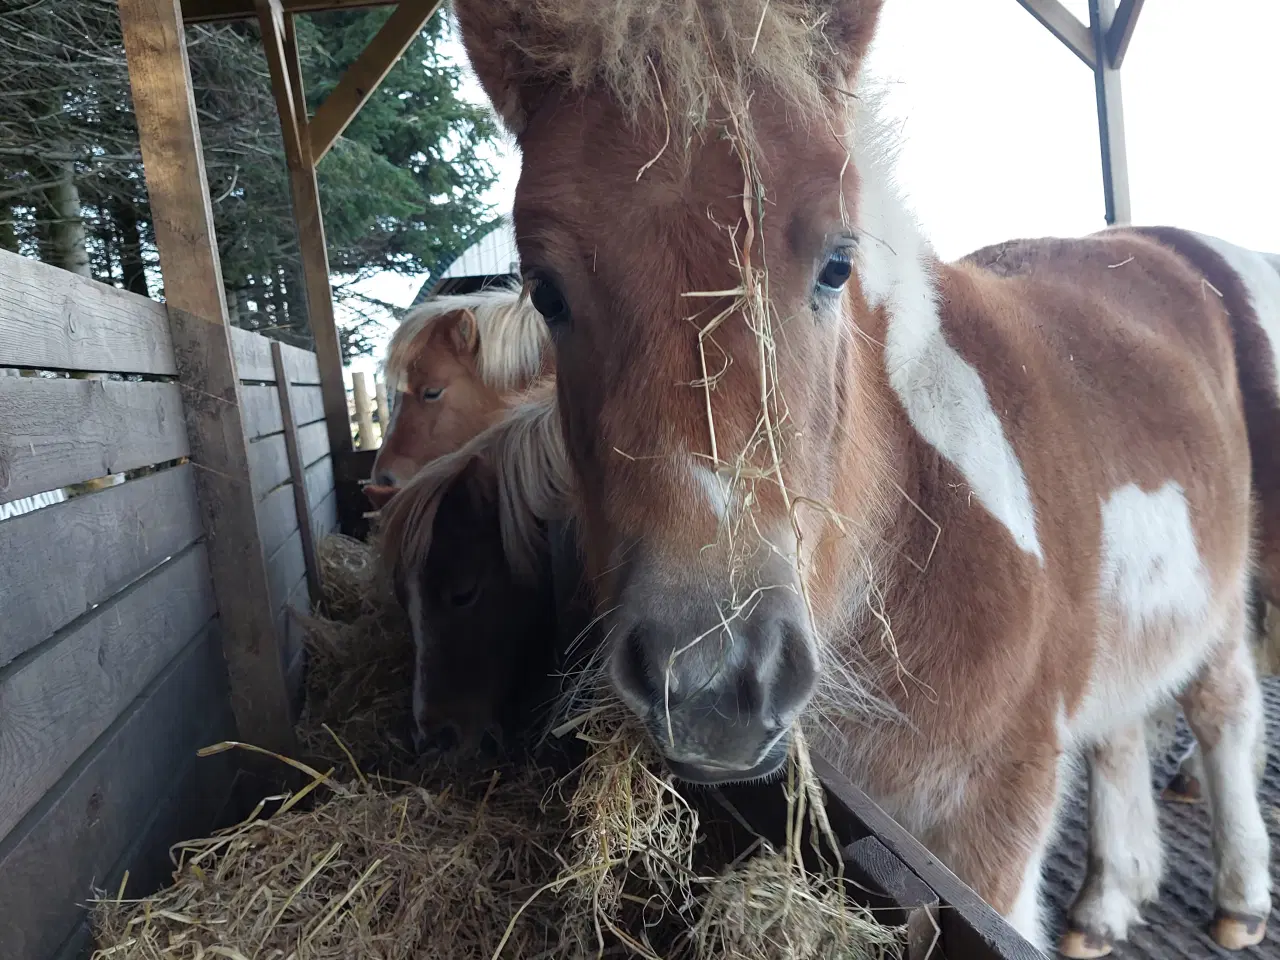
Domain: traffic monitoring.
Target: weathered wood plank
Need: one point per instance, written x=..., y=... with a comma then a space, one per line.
x=91, y=826
x=296, y=468
x=295, y=654
x=58, y=432
x=260, y=406
x=268, y=464
x=253, y=356
x=277, y=518
x=285, y=568
x=319, y=480
x=57, y=701
x=207, y=373
x=303, y=366
x=364, y=411
x=57, y=563
x=898, y=897
x=51, y=319
x=169, y=134
x=324, y=518
x=308, y=405
x=313, y=442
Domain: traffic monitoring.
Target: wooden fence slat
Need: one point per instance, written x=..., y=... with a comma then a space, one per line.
x=303, y=367
x=206, y=370
x=308, y=405
x=295, y=654
x=296, y=467
x=58, y=432
x=52, y=319
x=277, y=518
x=268, y=464
x=285, y=568
x=253, y=355
x=260, y=407
x=364, y=411
x=58, y=702
x=898, y=897
x=324, y=518
x=90, y=547
x=109, y=800
x=313, y=442
x=319, y=480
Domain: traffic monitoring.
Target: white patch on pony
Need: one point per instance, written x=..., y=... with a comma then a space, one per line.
x=1260, y=275
x=944, y=396
x=716, y=488
x=421, y=644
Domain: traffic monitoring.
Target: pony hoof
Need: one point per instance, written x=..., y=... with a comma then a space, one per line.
x=1183, y=788
x=1084, y=945
x=1235, y=931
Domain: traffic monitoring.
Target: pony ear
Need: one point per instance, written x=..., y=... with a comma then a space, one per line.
x=464, y=332
x=489, y=32
x=849, y=28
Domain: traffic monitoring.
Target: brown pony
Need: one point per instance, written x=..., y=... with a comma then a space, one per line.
x=453, y=364
x=969, y=521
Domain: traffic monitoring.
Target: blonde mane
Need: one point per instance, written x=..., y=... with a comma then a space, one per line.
x=527, y=454
x=512, y=335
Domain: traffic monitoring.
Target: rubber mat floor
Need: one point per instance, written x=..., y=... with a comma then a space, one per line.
x=1177, y=925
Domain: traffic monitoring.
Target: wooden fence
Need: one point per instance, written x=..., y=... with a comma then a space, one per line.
x=147, y=618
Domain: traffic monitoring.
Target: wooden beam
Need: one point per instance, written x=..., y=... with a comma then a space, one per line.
x=1121, y=31
x=1062, y=23
x=160, y=81
x=297, y=468
x=368, y=71
x=205, y=11
x=280, y=46
x=1115, y=164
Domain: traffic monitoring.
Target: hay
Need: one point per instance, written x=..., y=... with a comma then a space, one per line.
x=450, y=860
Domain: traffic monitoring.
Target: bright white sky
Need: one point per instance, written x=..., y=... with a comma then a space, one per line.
x=999, y=124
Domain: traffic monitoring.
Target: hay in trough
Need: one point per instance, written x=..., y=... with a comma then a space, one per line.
x=383, y=855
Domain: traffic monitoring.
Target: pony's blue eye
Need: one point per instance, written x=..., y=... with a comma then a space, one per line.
x=548, y=301
x=836, y=272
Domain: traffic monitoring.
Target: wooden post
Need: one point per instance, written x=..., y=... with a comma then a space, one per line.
x=215, y=429
x=297, y=472
x=1106, y=81
x=384, y=412
x=169, y=133
x=364, y=412
x=280, y=46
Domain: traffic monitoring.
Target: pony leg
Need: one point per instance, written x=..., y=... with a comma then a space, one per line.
x=1224, y=708
x=1125, y=854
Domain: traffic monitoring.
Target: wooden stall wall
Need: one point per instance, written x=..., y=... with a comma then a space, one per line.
x=113, y=653
x=111, y=669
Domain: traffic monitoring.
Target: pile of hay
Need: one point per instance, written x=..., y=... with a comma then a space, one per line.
x=382, y=855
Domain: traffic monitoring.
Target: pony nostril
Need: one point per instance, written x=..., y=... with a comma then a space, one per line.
x=632, y=668
x=384, y=479
x=440, y=739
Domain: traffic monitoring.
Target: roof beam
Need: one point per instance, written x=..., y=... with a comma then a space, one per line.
x=1064, y=25
x=1121, y=31
x=368, y=71
x=204, y=11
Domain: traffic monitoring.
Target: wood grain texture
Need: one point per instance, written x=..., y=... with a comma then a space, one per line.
x=51, y=319
x=259, y=695
x=268, y=464
x=303, y=365
x=58, y=700
x=313, y=442
x=308, y=405
x=285, y=568
x=58, y=432
x=295, y=654
x=260, y=406
x=91, y=826
x=169, y=134
x=277, y=518
x=296, y=475
x=253, y=356
x=897, y=896
x=57, y=563
x=324, y=516
x=319, y=480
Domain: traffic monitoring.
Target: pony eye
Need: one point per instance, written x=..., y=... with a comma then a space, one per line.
x=465, y=596
x=836, y=272
x=432, y=393
x=548, y=300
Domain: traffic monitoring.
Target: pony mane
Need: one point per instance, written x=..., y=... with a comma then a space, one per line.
x=679, y=58
x=513, y=336
x=526, y=453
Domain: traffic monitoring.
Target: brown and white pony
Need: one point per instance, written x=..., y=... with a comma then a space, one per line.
x=970, y=520
x=453, y=365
